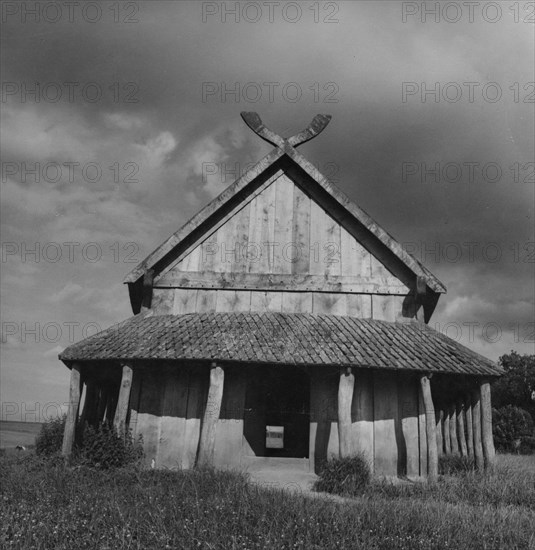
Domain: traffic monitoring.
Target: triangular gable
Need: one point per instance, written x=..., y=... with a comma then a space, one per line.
x=283, y=159
x=280, y=230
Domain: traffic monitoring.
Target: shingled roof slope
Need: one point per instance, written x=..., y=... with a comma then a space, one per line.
x=284, y=338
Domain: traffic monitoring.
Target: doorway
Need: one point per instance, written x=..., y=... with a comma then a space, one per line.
x=277, y=412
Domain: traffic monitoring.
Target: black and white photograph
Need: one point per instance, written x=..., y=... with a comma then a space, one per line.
x=267, y=274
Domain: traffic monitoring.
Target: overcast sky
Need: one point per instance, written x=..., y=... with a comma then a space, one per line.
x=134, y=116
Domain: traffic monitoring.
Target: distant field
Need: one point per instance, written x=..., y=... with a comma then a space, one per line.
x=18, y=433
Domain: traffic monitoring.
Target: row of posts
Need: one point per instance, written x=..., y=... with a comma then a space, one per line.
x=102, y=403
x=445, y=436
x=464, y=428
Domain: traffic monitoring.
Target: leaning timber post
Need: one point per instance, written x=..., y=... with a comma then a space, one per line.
x=121, y=411
x=469, y=425
x=446, y=430
x=453, y=431
x=460, y=427
x=430, y=428
x=211, y=416
x=486, y=425
x=345, y=398
x=440, y=445
x=72, y=411
x=476, y=427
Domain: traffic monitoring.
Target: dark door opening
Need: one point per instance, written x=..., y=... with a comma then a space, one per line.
x=277, y=419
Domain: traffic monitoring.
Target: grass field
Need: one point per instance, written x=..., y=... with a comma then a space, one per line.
x=18, y=433
x=45, y=506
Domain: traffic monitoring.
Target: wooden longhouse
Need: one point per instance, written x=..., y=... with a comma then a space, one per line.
x=281, y=321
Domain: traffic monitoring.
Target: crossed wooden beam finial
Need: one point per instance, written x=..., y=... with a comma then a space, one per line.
x=318, y=124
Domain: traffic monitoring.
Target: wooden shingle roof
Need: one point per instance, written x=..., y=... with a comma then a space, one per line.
x=282, y=338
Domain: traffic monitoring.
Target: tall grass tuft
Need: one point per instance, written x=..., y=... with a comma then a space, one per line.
x=344, y=476
x=453, y=464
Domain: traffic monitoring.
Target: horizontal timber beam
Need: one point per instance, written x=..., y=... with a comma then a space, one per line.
x=279, y=282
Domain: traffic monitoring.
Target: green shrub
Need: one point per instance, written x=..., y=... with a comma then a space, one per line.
x=49, y=440
x=104, y=448
x=509, y=425
x=527, y=445
x=100, y=447
x=454, y=464
x=344, y=476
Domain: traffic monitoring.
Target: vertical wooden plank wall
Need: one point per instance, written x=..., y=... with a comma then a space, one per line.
x=408, y=407
x=148, y=414
x=166, y=409
x=280, y=230
x=386, y=418
x=362, y=414
x=229, y=433
x=173, y=420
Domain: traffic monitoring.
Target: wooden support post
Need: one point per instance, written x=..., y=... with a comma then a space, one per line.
x=345, y=398
x=440, y=443
x=121, y=411
x=430, y=428
x=453, y=430
x=446, y=430
x=486, y=425
x=460, y=427
x=211, y=416
x=72, y=411
x=476, y=426
x=469, y=425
